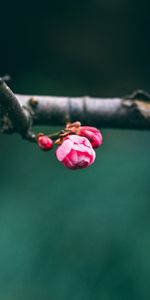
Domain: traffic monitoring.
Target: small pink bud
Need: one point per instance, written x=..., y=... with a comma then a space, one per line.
x=44, y=142
x=92, y=134
x=75, y=152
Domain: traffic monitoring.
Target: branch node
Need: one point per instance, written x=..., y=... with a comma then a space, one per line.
x=30, y=136
x=139, y=95
x=5, y=78
x=33, y=102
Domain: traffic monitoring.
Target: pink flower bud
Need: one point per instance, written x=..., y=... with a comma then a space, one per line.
x=44, y=142
x=92, y=134
x=75, y=152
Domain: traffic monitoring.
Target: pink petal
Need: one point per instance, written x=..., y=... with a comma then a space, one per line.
x=84, y=158
x=93, y=156
x=87, y=142
x=73, y=156
x=89, y=128
x=68, y=163
x=75, y=138
x=80, y=147
x=64, y=149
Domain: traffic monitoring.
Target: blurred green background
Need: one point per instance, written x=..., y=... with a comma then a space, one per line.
x=81, y=235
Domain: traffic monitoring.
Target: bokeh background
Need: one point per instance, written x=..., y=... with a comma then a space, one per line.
x=81, y=235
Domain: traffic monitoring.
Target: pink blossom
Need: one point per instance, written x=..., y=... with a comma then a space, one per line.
x=44, y=142
x=75, y=152
x=92, y=134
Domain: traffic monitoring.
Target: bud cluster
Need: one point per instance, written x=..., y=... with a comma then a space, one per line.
x=76, y=145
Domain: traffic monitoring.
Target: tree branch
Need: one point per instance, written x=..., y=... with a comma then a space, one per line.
x=15, y=117
x=20, y=112
x=131, y=112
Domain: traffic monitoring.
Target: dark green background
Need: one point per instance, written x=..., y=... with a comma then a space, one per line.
x=81, y=235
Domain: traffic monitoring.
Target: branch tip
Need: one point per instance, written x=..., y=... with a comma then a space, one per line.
x=139, y=95
x=5, y=78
